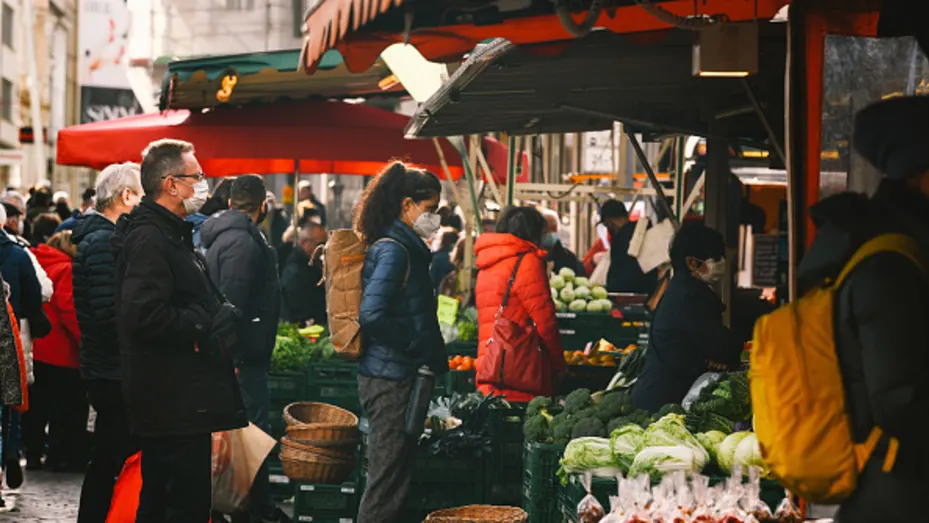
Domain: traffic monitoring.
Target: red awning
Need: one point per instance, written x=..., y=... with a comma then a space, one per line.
x=339, y=24
x=324, y=137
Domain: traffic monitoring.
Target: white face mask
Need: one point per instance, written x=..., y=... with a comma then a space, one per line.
x=427, y=224
x=195, y=202
x=715, y=270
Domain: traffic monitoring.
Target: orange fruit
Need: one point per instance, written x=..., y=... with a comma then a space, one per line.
x=467, y=363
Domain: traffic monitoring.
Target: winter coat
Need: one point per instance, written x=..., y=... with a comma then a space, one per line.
x=177, y=380
x=625, y=274
x=882, y=339
x=530, y=298
x=562, y=257
x=244, y=267
x=95, y=297
x=60, y=346
x=398, y=320
x=303, y=298
x=687, y=333
x=18, y=271
x=441, y=266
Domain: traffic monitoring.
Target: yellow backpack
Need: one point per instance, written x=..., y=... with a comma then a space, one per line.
x=798, y=397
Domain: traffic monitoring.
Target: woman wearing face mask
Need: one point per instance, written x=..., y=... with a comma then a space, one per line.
x=400, y=331
x=529, y=305
x=688, y=337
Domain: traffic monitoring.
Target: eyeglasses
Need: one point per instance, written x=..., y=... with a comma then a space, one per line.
x=197, y=177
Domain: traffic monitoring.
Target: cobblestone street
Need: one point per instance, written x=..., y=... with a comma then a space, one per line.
x=44, y=496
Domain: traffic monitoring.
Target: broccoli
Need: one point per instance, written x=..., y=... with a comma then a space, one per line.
x=577, y=400
x=536, y=429
x=670, y=408
x=616, y=423
x=611, y=406
x=538, y=403
x=590, y=426
x=640, y=417
x=560, y=418
x=561, y=433
x=589, y=412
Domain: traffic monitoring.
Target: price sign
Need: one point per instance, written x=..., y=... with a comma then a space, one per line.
x=448, y=310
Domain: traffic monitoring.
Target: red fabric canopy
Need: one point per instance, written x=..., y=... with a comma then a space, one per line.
x=325, y=137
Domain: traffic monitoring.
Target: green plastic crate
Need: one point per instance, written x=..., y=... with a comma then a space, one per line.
x=330, y=502
x=281, y=486
x=504, y=468
x=460, y=381
x=334, y=382
x=540, y=485
x=462, y=348
x=579, y=328
x=286, y=387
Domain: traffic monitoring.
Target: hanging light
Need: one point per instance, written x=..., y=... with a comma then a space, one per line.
x=726, y=50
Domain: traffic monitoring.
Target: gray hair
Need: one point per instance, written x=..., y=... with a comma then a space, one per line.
x=162, y=158
x=115, y=179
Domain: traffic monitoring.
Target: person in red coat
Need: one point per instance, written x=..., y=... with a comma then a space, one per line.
x=57, y=396
x=518, y=232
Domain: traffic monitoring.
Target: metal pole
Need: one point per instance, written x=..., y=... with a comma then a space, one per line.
x=764, y=121
x=296, y=219
x=510, y=169
x=662, y=202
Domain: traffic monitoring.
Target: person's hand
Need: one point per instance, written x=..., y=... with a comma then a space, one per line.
x=225, y=325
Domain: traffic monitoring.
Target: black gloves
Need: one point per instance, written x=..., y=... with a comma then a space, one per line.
x=223, y=330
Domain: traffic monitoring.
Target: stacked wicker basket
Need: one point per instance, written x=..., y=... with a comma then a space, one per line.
x=320, y=443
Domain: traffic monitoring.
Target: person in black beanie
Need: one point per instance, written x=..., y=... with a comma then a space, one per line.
x=881, y=332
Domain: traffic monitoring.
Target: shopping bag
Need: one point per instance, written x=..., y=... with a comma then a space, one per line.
x=602, y=269
x=125, y=501
x=237, y=455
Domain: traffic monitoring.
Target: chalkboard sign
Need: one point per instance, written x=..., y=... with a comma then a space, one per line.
x=764, y=261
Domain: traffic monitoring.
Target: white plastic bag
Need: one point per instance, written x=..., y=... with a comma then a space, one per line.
x=601, y=270
x=703, y=381
x=237, y=455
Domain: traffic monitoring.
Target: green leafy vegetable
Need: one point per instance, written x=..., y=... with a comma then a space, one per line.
x=625, y=443
x=657, y=461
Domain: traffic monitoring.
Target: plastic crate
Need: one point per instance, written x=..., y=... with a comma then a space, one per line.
x=579, y=328
x=329, y=502
x=460, y=381
x=462, y=348
x=334, y=382
x=504, y=468
x=281, y=486
x=286, y=387
x=540, y=485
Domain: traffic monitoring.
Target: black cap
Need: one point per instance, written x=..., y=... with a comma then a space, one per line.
x=11, y=210
x=894, y=135
x=613, y=209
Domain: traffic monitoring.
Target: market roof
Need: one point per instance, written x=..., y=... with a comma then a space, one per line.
x=445, y=30
x=588, y=83
x=265, y=77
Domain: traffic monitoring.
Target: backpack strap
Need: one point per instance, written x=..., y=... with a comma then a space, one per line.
x=509, y=283
x=406, y=277
x=898, y=243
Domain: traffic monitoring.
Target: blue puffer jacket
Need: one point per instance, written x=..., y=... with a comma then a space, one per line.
x=399, y=326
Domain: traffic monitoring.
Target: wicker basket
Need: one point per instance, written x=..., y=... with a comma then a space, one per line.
x=303, y=465
x=319, y=435
x=338, y=452
x=315, y=413
x=478, y=514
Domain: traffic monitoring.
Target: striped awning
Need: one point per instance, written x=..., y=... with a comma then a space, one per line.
x=328, y=21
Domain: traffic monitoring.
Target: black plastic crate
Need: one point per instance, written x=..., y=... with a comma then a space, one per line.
x=540, y=485
x=460, y=381
x=334, y=382
x=286, y=387
x=281, y=486
x=326, y=501
x=461, y=348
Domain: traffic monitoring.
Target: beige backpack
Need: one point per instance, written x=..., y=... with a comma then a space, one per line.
x=343, y=262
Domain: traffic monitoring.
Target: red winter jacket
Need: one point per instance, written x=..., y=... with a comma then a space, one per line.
x=60, y=346
x=529, y=299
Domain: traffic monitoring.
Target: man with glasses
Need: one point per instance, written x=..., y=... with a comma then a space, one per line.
x=175, y=332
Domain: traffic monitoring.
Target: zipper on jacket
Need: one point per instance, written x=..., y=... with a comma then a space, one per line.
x=502, y=365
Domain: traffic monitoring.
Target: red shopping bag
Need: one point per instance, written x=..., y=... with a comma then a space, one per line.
x=125, y=501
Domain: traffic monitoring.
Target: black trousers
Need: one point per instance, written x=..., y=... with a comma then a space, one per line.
x=112, y=445
x=390, y=450
x=176, y=485
x=56, y=400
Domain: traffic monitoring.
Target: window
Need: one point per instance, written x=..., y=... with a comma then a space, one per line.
x=7, y=20
x=6, y=104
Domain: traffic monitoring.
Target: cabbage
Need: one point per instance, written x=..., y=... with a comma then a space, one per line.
x=710, y=441
x=670, y=431
x=567, y=295
x=581, y=281
x=567, y=274
x=560, y=306
x=582, y=292
x=556, y=282
x=594, y=306
x=748, y=454
x=657, y=461
x=606, y=305
x=589, y=455
x=726, y=451
x=598, y=292
x=626, y=442
x=554, y=294
x=577, y=306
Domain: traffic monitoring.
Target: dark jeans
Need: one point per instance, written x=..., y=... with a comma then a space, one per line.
x=390, y=450
x=12, y=434
x=56, y=400
x=112, y=445
x=253, y=382
x=176, y=484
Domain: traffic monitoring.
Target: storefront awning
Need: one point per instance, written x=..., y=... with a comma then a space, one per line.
x=588, y=83
x=361, y=29
x=265, y=77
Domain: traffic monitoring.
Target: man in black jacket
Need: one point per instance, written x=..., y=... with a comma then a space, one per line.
x=559, y=255
x=303, y=298
x=625, y=272
x=244, y=267
x=881, y=332
x=119, y=190
x=175, y=333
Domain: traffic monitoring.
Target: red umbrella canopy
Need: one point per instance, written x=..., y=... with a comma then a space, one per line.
x=323, y=136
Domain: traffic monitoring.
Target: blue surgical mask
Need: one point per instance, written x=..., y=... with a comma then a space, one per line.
x=549, y=240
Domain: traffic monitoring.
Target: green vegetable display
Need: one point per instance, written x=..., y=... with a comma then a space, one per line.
x=748, y=454
x=589, y=455
x=725, y=454
x=711, y=441
x=671, y=431
x=657, y=461
x=567, y=274
x=293, y=351
x=721, y=405
x=626, y=442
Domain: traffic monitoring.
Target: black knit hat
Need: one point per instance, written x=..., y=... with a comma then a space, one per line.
x=613, y=209
x=894, y=136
